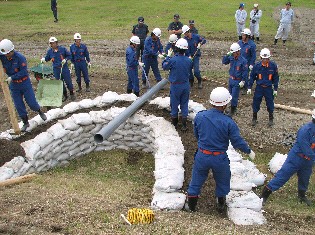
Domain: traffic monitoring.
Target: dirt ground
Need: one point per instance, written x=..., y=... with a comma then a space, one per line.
x=296, y=85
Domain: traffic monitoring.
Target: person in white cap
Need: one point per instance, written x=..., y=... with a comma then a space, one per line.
x=300, y=161
x=240, y=17
x=255, y=16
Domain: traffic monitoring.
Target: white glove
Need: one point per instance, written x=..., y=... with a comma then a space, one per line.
x=275, y=93
x=141, y=64
x=199, y=45
x=42, y=60
x=63, y=61
x=160, y=56
x=249, y=92
x=71, y=67
x=9, y=80
x=89, y=65
x=229, y=53
x=250, y=67
x=252, y=155
x=170, y=52
x=241, y=84
x=190, y=57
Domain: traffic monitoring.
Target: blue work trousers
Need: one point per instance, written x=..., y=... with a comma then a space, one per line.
x=179, y=95
x=133, y=80
x=196, y=69
x=81, y=68
x=64, y=76
x=261, y=92
x=234, y=89
x=151, y=62
x=220, y=166
x=293, y=164
x=20, y=91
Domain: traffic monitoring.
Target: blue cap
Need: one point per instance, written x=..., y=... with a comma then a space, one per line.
x=242, y=4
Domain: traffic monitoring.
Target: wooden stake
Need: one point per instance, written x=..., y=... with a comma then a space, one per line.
x=9, y=102
x=293, y=109
x=17, y=180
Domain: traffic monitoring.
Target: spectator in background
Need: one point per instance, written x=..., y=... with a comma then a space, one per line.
x=175, y=27
x=255, y=16
x=54, y=9
x=314, y=54
x=192, y=27
x=240, y=17
x=141, y=30
x=286, y=19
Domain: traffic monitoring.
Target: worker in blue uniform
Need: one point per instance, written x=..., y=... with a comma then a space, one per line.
x=175, y=27
x=194, y=43
x=238, y=73
x=300, y=160
x=15, y=66
x=53, y=7
x=141, y=30
x=59, y=56
x=265, y=73
x=171, y=44
x=179, y=67
x=80, y=58
x=214, y=130
x=132, y=66
x=248, y=51
x=152, y=50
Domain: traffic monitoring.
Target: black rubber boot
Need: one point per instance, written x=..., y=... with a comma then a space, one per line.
x=253, y=38
x=221, y=205
x=191, y=82
x=265, y=194
x=254, y=121
x=199, y=84
x=191, y=203
x=175, y=121
x=303, y=198
x=42, y=115
x=72, y=95
x=144, y=84
x=137, y=94
x=87, y=88
x=184, y=123
x=239, y=37
x=257, y=39
x=25, y=124
x=270, y=123
x=232, y=111
x=129, y=91
x=79, y=87
x=284, y=42
x=275, y=42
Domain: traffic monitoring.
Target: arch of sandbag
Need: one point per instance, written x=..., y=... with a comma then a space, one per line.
x=73, y=137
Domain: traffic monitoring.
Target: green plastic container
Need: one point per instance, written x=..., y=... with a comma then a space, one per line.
x=49, y=92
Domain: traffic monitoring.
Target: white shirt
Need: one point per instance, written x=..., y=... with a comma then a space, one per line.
x=286, y=16
x=240, y=16
x=256, y=16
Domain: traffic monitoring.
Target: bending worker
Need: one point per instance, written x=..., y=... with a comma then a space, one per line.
x=15, y=66
x=300, y=160
x=214, y=130
x=59, y=56
x=179, y=67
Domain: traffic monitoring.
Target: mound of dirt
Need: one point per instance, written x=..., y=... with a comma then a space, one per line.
x=9, y=150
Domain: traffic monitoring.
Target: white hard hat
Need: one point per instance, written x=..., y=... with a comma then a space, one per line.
x=182, y=43
x=77, y=36
x=256, y=5
x=220, y=96
x=172, y=38
x=235, y=47
x=53, y=39
x=185, y=28
x=157, y=32
x=313, y=113
x=6, y=46
x=135, y=40
x=265, y=53
x=246, y=31
x=313, y=94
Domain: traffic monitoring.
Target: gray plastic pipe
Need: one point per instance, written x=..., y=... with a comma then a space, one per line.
x=106, y=131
